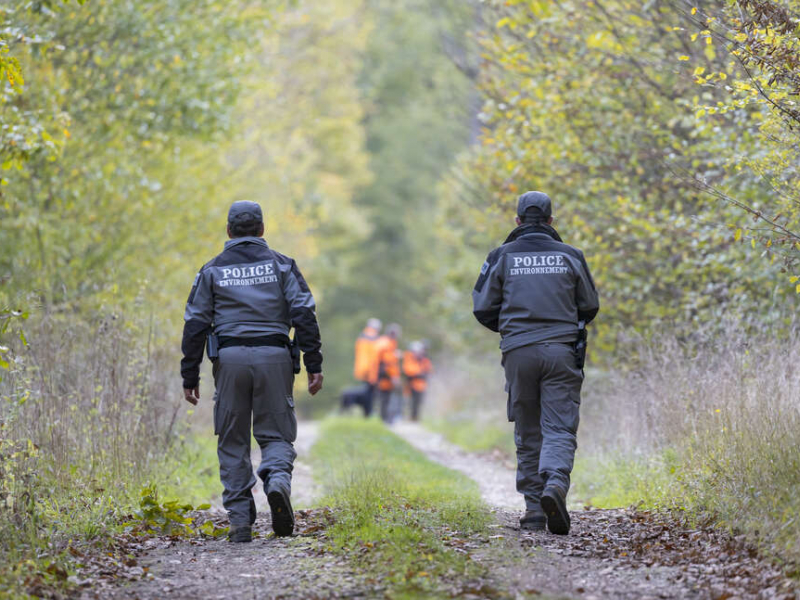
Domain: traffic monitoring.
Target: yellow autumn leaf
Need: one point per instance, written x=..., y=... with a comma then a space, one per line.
x=683, y=57
x=793, y=279
x=738, y=235
x=694, y=10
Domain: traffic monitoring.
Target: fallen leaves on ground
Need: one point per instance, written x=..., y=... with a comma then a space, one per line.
x=723, y=566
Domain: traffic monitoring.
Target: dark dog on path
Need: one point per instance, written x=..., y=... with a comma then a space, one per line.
x=360, y=395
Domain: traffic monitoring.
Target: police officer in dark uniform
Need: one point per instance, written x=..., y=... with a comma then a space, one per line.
x=537, y=292
x=247, y=299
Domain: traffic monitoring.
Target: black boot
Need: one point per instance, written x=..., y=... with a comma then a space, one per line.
x=282, y=513
x=240, y=533
x=554, y=504
x=533, y=520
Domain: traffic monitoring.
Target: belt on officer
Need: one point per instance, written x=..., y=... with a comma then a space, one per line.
x=277, y=340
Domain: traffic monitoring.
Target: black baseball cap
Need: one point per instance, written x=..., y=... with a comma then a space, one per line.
x=245, y=212
x=536, y=200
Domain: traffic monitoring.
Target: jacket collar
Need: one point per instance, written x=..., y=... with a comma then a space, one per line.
x=528, y=229
x=245, y=240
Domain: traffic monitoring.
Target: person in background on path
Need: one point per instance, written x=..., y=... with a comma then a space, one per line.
x=242, y=305
x=537, y=292
x=365, y=368
x=388, y=370
x=416, y=368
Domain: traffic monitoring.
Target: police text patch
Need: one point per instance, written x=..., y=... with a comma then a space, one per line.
x=537, y=264
x=247, y=275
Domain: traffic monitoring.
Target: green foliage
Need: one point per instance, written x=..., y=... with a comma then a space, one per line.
x=416, y=104
x=115, y=96
x=8, y=317
x=171, y=517
x=762, y=37
x=396, y=512
x=596, y=105
x=476, y=435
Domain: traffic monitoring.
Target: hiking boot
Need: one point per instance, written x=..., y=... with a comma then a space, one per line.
x=554, y=505
x=241, y=533
x=533, y=520
x=282, y=513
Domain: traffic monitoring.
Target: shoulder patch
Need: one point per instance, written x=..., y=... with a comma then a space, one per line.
x=484, y=267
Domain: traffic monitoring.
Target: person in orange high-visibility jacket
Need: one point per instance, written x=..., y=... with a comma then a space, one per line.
x=365, y=368
x=388, y=370
x=416, y=368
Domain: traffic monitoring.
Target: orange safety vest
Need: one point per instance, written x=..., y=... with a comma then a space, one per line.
x=416, y=368
x=366, y=362
x=388, y=363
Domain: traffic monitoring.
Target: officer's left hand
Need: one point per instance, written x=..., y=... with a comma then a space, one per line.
x=314, y=383
x=192, y=395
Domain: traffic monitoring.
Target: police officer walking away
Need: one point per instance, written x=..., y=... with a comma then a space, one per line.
x=245, y=301
x=537, y=292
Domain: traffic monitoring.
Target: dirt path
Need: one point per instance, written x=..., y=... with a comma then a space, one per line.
x=609, y=553
x=269, y=567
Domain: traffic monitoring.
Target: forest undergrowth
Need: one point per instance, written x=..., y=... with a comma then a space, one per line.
x=86, y=423
x=712, y=433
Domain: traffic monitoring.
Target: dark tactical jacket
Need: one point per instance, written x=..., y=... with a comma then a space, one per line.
x=534, y=289
x=249, y=291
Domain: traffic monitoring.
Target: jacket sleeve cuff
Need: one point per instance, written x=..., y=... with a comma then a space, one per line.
x=190, y=384
x=313, y=362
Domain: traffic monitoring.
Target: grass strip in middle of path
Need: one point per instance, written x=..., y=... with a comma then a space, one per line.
x=409, y=522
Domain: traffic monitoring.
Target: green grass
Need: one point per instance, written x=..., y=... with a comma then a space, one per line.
x=476, y=435
x=192, y=474
x=396, y=511
x=616, y=481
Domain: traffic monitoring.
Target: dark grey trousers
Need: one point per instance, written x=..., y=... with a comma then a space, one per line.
x=253, y=385
x=544, y=403
x=416, y=403
x=385, y=399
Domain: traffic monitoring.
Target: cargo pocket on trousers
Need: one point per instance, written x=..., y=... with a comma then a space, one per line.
x=290, y=432
x=509, y=406
x=216, y=416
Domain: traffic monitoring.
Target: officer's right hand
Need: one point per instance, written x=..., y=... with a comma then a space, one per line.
x=314, y=383
x=191, y=395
